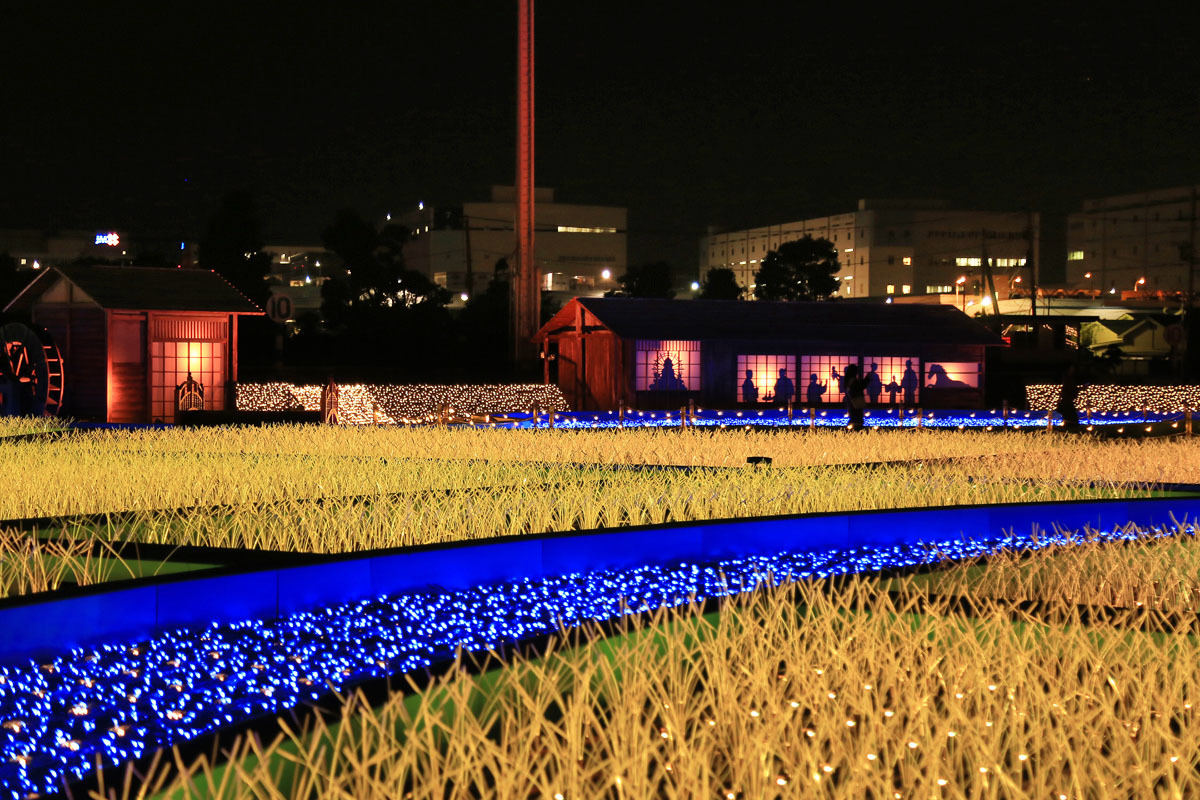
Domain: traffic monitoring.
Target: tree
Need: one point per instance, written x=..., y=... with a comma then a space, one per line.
x=232, y=246
x=720, y=284
x=645, y=280
x=799, y=270
x=375, y=276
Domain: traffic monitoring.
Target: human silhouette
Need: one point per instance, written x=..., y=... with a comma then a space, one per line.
x=784, y=388
x=667, y=380
x=892, y=389
x=815, y=390
x=841, y=379
x=874, y=384
x=749, y=390
x=909, y=383
x=856, y=401
x=1068, y=399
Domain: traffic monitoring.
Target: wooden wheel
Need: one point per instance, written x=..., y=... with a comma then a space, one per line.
x=31, y=361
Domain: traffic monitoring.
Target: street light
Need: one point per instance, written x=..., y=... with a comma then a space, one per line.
x=1140, y=282
x=1091, y=283
x=957, y=287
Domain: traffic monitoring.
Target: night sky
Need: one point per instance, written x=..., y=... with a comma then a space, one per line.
x=732, y=114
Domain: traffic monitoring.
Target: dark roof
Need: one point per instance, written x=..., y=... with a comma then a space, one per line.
x=639, y=318
x=146, y=289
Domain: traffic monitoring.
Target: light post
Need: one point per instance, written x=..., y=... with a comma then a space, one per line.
x=1137, y=286
x=958, y=287
x=1091, y=283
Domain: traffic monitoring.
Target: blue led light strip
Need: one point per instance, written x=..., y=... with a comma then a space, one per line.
x=835, y=418
x=117, y=702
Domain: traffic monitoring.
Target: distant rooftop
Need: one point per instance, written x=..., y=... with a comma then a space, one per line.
x=144, y=289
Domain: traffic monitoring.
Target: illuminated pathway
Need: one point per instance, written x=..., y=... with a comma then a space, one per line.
x=121, y=701
x=802, y=418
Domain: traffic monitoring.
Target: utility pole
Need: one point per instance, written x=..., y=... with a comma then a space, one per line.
x=1033, y=234
x=1191, y=257
x=986, y=272
x=466, y=222
x=525, y=284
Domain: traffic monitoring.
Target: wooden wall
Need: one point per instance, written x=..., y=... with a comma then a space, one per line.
x=129, y=376
x=596, y=369
x=81, y=336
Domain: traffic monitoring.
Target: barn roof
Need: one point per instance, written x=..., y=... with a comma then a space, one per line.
x=644, y=318
x=144, y=289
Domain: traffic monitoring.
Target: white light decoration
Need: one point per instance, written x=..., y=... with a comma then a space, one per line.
x=392, y=404
x=1107, y=397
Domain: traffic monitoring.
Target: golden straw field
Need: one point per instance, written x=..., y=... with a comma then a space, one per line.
x=326, y=489
x=809, y=690
x=987, y=678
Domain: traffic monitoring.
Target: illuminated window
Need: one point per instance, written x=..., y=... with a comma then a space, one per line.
x=170, y=363
x=891, y=288
x=967, y=262
x=905, y=289
x=931, y=289
x=907, y=261
x=952, y=375
x=821, y=379
x=664, y=365
x=1075, y=255
x=763, y=373
x=577, y=229
x=892, y=379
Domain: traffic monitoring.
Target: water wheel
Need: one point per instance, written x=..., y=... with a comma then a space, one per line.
x=32, y=363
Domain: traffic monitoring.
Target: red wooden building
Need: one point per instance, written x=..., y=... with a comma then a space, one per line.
x=129, y=336
x=722, y=353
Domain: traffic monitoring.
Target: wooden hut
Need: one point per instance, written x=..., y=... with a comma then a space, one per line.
x=662, y=353
x=131, y=336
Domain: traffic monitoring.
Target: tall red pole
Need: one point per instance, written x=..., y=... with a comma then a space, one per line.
x=526, y=284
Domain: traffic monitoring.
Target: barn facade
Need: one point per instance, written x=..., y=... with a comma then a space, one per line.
x=650, y=353
x=130, y=337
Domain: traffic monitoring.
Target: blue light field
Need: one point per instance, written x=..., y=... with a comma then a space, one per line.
x=118, y=701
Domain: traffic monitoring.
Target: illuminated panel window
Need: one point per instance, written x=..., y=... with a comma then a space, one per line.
x=821, y=379
x=893, y=375
x=952, y=375
x=1008, y=262
x=669, y=366
x=1075, y=255
x=967, y=262
x=577, y=229
x=941, y=289
x=763, y=371
x=170, y=363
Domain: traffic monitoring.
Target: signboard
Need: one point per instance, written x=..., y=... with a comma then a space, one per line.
x=279, y=307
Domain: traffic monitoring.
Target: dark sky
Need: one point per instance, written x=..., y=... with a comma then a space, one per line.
x=141, y=117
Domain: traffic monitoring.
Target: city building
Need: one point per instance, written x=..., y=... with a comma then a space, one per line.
x=1135, y=246
x=897, y=248
x=296, y=274
x=34, y=249
x=646, y=353
x=578, y=249
x=131, y=336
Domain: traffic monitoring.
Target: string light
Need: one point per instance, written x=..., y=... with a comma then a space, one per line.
x=1109, y=398
x=394, y=404
x=118, y=701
